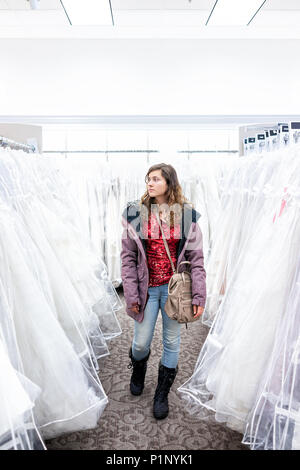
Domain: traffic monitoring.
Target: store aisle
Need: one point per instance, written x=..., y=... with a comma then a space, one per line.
x=128, y=423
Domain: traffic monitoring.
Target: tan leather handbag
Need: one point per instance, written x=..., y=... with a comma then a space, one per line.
x=179, y=302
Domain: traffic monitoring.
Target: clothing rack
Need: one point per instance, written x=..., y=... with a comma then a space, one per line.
x=258, y=137
x=4, y=142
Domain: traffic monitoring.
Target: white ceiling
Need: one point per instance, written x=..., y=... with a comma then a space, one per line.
x=120, y=4
x=162, y=4
x=147, y=18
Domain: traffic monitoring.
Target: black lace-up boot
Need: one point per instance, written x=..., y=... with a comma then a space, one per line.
x=166, y=377
x=138, y=373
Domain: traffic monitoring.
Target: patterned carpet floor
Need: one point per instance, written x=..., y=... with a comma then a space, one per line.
x=127, y=421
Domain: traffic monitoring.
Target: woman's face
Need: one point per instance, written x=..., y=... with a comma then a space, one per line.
x=156, y=184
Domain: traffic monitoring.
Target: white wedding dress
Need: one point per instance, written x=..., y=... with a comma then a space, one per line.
x=62, y=305
x=236, y=353
x=102, y=188
x=51, y=214
x=71, y=398
x=274, y=421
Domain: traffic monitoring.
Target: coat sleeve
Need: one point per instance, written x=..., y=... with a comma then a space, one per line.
x=194, y=254
x=129, y=253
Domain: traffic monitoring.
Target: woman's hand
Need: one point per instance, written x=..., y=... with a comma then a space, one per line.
x=135, y=308
x=197, y=310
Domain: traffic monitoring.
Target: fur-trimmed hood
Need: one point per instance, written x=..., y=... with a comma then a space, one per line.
x=132, y=214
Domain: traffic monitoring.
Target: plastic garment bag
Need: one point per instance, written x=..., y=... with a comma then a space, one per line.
x=274, y=421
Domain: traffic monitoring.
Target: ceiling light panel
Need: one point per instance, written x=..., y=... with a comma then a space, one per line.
x=88, y=12
x=162, y=4
x=234, y=12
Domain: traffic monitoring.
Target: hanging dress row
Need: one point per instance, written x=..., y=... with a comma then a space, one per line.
x=102, y=189
x=246, y=373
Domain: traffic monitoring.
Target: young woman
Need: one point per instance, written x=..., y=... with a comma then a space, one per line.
x=146, y=271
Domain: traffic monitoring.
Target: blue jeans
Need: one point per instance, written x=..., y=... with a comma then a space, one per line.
x=143, y=332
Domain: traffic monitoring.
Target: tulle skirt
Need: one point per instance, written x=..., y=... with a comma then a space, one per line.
x=274, y=421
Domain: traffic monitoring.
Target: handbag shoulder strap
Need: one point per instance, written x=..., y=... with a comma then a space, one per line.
x=165, y=243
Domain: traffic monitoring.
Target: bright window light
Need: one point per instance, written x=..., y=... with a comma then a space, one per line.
x=88, y=12
x=233, y=12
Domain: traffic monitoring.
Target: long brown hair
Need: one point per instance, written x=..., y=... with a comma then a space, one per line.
x=174, y=192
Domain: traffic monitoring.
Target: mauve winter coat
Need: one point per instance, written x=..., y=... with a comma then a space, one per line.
x=134, y=270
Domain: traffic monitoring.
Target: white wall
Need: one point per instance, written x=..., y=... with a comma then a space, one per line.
x=109, y=77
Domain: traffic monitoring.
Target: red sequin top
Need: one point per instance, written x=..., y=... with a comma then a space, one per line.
x=160, y=269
